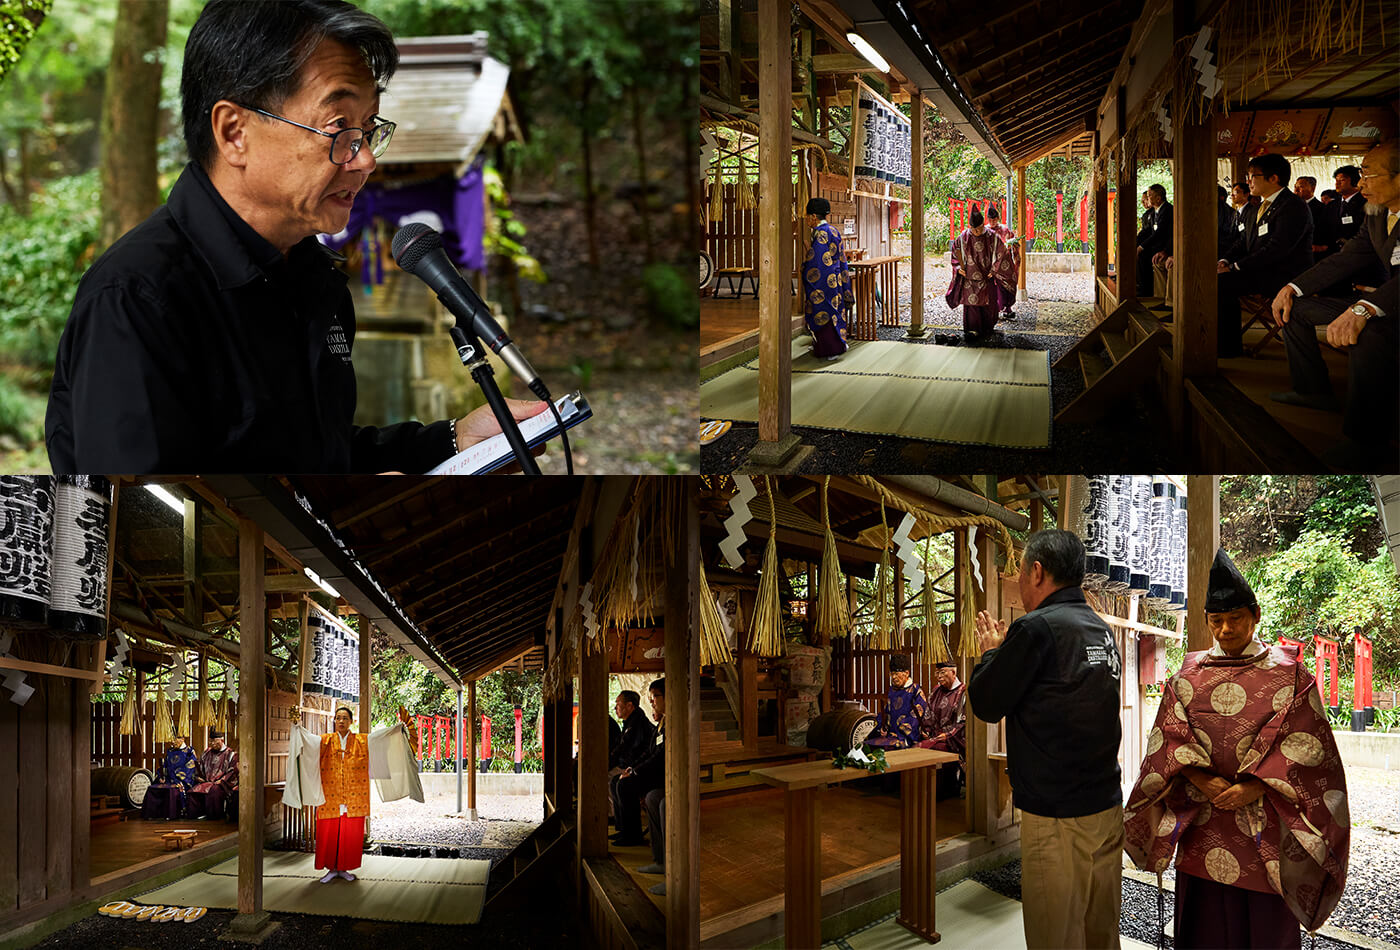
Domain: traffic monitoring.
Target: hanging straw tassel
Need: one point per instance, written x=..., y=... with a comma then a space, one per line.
x=204, y=711
x=833, y=616
x=130, y=723
x=766, y=633
x=183, y=727
x=935, y=643
x=880, y=639
x=717, y=198
x=967, y=615
x=714, y=646
x=164, y=729
x=743, y=192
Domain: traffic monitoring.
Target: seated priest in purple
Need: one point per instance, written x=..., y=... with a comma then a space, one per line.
x=981, y=264
x=901, y=721
x=946, y=722
x=1006, y=296
x=218, y=770
x=826, y=284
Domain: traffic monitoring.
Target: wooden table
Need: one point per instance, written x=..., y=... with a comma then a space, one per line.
x=918, y=840
x=866, y=276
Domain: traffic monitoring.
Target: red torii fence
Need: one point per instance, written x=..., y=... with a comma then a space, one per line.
x=1326, y=652
x=1361, y=685
x=960, y=208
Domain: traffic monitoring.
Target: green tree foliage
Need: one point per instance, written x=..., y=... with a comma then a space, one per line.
x=18, y=21
x=1312, y=548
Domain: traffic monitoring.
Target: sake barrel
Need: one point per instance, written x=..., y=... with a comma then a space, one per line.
x=78, y=596
x=26, y=549
x=843, y=728
x=127, y=781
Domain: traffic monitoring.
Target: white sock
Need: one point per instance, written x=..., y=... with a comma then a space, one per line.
x=347, y=875
x=330, y=876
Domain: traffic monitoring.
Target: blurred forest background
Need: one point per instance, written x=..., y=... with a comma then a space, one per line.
x=589, y=240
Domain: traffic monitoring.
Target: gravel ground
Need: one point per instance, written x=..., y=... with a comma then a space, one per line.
x=503, y=822
x=1370, y=905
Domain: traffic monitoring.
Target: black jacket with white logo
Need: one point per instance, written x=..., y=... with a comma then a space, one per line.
x=1056, y=681
x=194, y=346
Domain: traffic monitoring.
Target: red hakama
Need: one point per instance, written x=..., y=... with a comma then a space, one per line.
x=339, y=843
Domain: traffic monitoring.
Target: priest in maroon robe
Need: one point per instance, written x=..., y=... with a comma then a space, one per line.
x=981, y=263
x=218, y=771
x=1243, y=784
x=946, y=721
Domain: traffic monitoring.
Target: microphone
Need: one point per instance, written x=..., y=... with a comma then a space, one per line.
x=418, y=250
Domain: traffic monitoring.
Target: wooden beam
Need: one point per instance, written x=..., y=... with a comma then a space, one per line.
x=1202, y=538
x=842, y=63
x=49, y=669
x=252, y=720
x=774, y=222
x=1040, y=32
x=681, y=619
x=1128, y=204
x=916, y=244
x=499, y=659
x=1019, y=213
x=1100, y=218
x=1194, y=279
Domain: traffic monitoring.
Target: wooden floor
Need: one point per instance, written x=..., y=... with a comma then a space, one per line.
x=742, y=850
x=120, y=844
x=1267, y=373
x=729, y=324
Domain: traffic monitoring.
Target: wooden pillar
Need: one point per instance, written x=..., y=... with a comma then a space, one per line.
x=366, y=706
x=593, y=736
x=1100, y=220
x=252, y=730
x=471, y=750
x=681, y=618
x=1194, y=279
x=193, y=608
x=562, y=752
x=1202, y=538
x=775, y=230
x=917, y=330
x=1021, y=229
x=462, y=752
x=1129, y=204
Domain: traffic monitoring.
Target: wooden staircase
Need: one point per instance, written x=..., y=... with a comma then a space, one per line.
x=1119, y=355
x=549, y=846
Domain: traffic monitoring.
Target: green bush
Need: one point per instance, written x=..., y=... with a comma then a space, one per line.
x=41, y=259
x=21, y=413
x=671, y=295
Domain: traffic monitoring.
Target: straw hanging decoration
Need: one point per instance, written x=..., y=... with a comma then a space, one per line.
x=880, y=639
x=714, y=645
x=967, y=614
x=833, y=616
x=130, y=722
x=717, y=198
x=743, y=191
x=935, y=643
x=204, y=711
x=766, y=634
x=183, y=727
x=164, y=727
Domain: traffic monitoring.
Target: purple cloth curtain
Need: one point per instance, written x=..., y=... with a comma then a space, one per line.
x=459, y=203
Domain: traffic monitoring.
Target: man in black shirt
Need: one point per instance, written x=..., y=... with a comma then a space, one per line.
x=1054, y=676
x=216, y=335
x=637, y=731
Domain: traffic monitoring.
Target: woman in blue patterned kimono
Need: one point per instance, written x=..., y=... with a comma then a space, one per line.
x=826, y=284
x=901, y=721
x=981, y=262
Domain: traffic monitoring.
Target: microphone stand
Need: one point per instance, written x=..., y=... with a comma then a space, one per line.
x=473, y=356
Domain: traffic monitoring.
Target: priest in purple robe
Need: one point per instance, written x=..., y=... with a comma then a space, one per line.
x=981, y=263
x=946, y=722
x=1006, y=297
x=901, y=721
x=218, y=771
x=826, y=284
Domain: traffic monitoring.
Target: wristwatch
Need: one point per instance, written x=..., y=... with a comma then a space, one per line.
x=1361, y=311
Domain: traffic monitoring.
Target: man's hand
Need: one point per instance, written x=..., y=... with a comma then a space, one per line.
x=1345, y=330
x=1159, y=257
x=1283, y=304
x=480, y=424
x=1238, y=795
x=1222, y=267
x=1169, y=262
x=990, y=632
x=626, y=772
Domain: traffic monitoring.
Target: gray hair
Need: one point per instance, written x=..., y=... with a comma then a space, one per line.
x=251, y=52
x=1060, y=553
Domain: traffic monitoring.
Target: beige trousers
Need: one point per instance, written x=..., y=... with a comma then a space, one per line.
x=1071, y=880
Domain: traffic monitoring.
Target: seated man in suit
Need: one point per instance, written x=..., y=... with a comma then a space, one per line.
x=1305, y=186
x=1274, y=245
x=1349, y=210
x=1364, y=324
x=1157, y=246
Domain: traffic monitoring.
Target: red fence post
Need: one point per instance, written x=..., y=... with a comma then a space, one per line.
x=1084, y=222
x=1030, y=223
x=1060, y=220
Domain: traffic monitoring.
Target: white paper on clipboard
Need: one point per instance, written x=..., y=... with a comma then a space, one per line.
x=491, y=453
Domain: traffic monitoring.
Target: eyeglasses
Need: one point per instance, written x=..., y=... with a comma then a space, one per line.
x=346, y=143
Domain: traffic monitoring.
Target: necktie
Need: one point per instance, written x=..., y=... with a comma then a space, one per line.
x=1390, y=220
